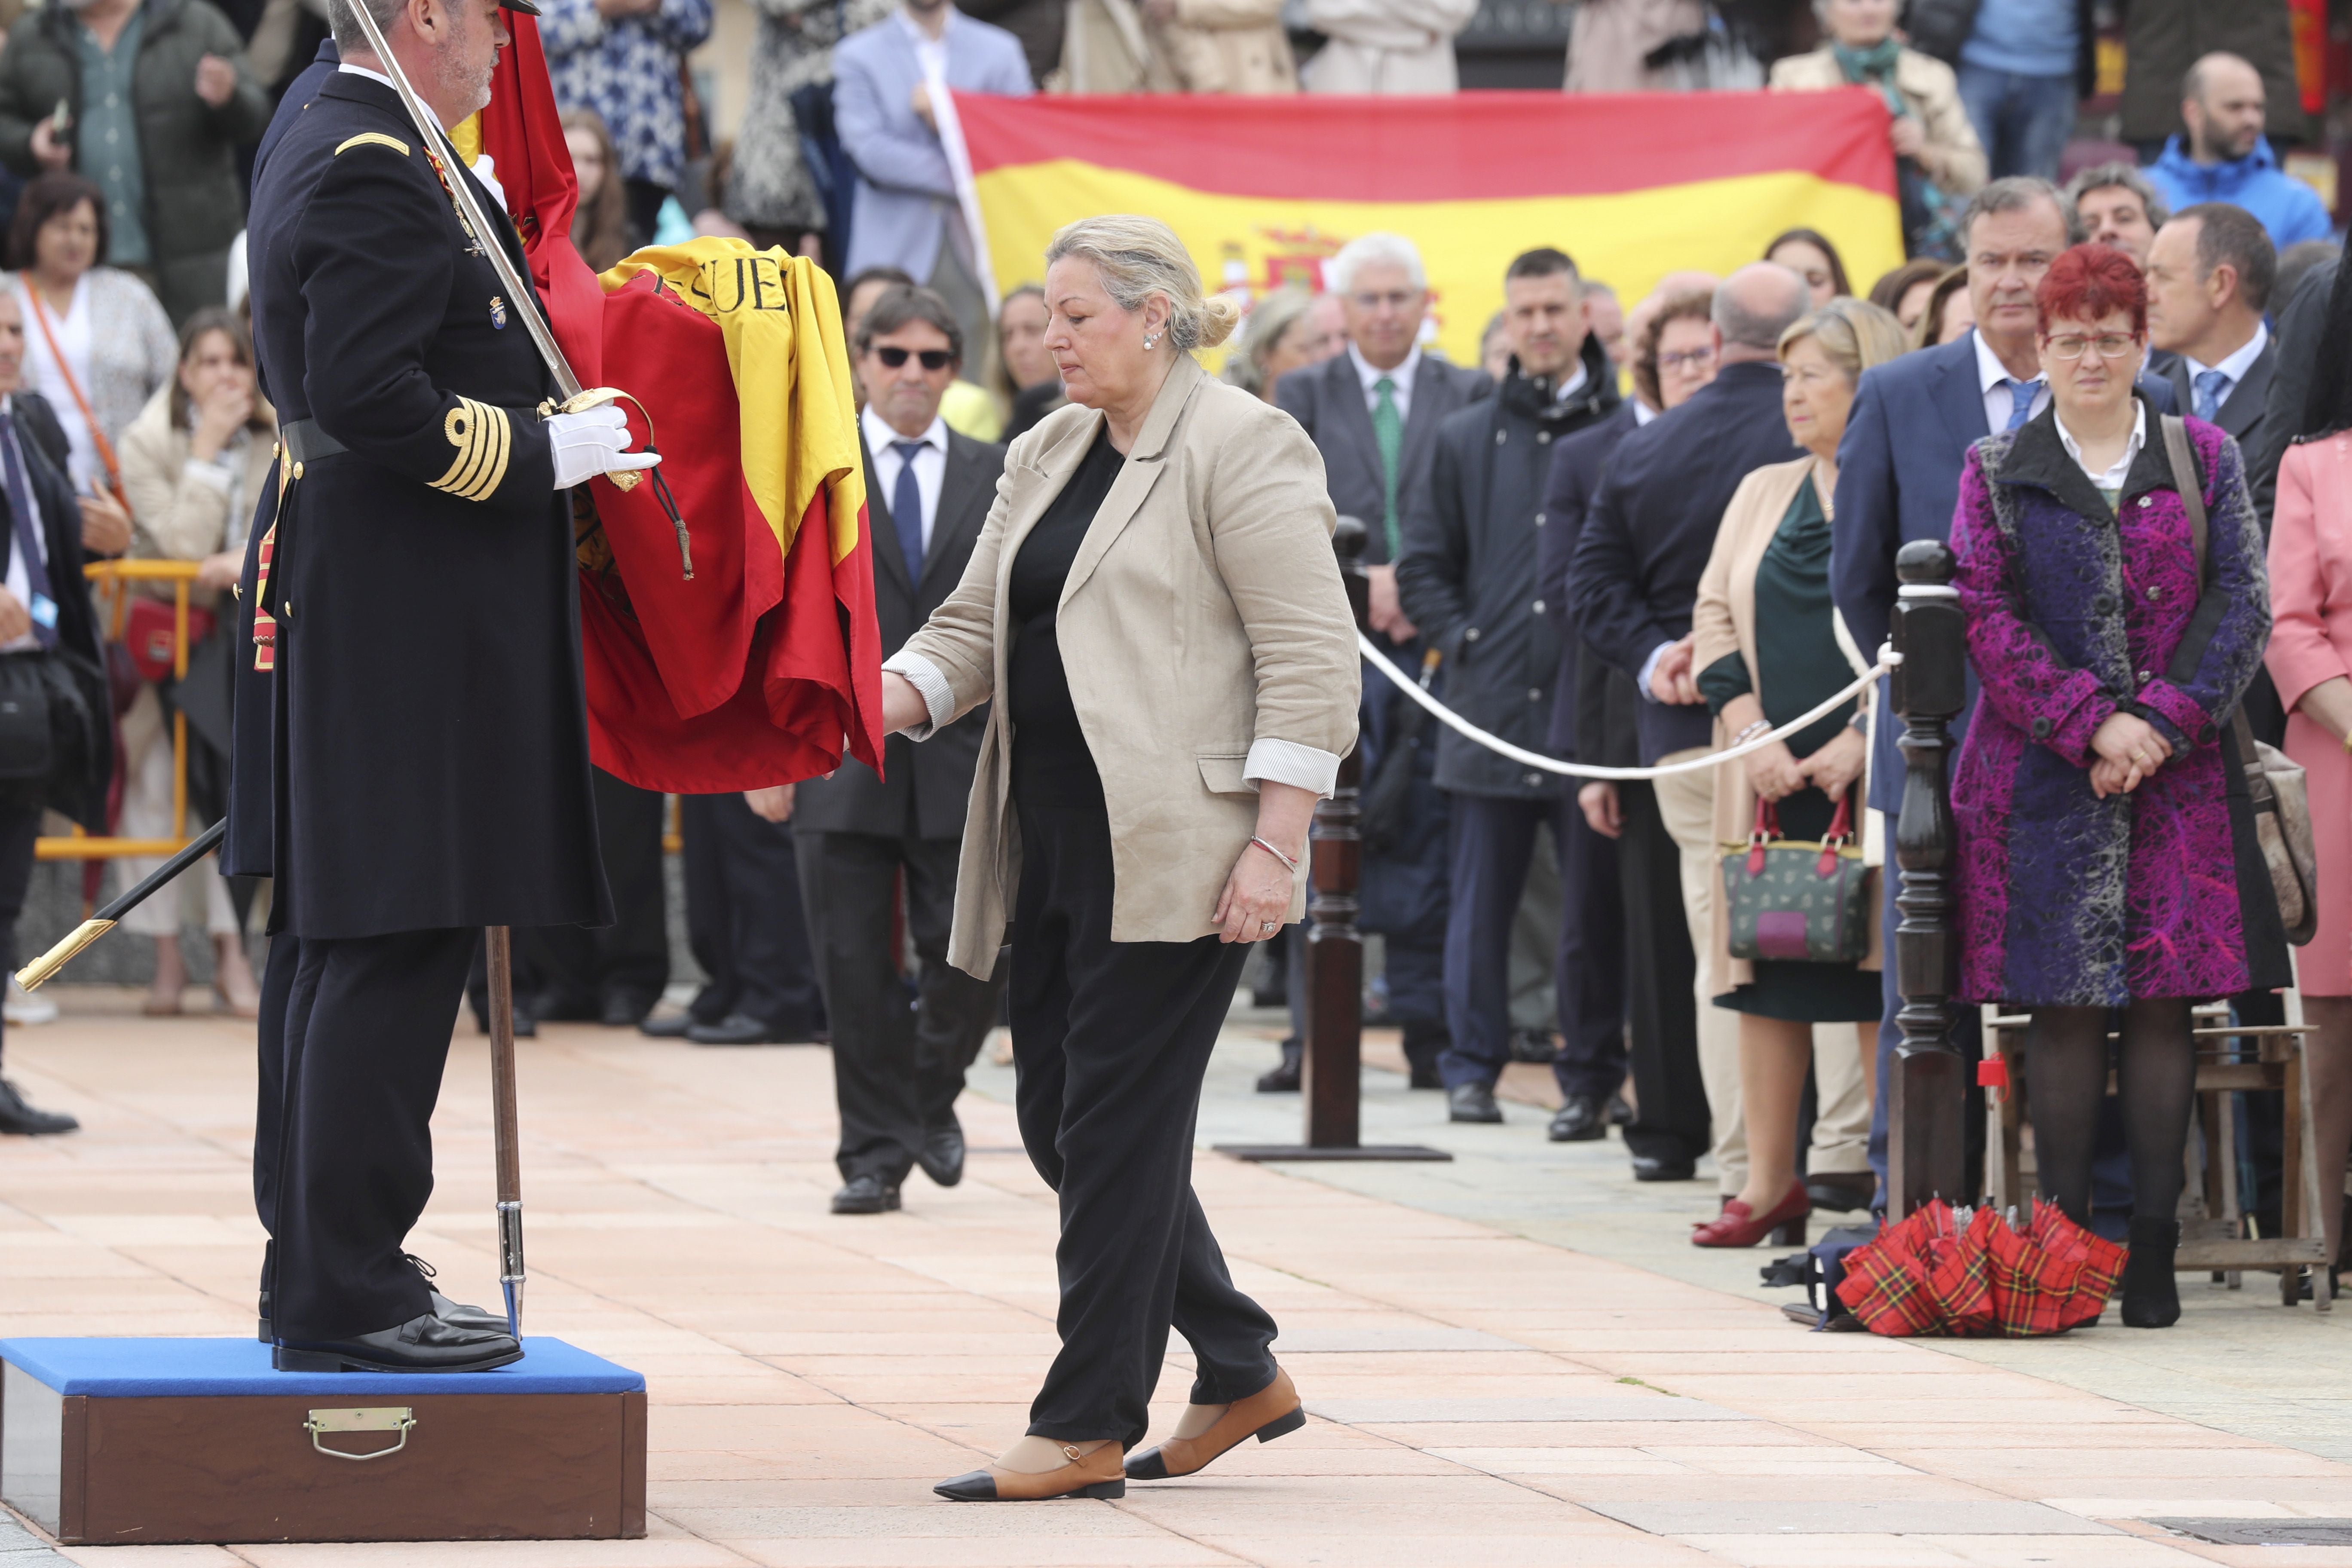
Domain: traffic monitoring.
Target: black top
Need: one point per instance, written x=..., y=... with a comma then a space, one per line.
x=1051, y=764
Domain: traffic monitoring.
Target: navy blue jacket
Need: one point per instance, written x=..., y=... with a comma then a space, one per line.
x=1907, y=439
x=1576, y=465
x=294, y=100
x=1651, y=525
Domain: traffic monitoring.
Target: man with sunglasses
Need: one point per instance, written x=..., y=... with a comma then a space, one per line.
x=896, y=1070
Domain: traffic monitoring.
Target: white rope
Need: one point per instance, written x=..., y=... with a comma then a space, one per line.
x=1887, y=660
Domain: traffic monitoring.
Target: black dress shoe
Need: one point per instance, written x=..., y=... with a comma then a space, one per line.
x=1425, y=1042
x=1580, y=1120
x=1843, y=1191
x=742, y=1029
x=457, y=1312
x=561, y=1007
x=624, y=1012
x=1472, y=1102
x=1284, y=1078
x=424, y=1344
x=1537, y=1046
x=673, y=1027
x=16, y=1116
x=526, y=1027
x=1619, y=1113
x=1650, y=1168
x=942, y=1152
x=865, y=1194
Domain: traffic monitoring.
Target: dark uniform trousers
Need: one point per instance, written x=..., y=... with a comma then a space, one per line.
x=1671, y=1121
x=898, y=1055
x=1110, y=1042
x=743, y=919
x=354, y=1033
x=20, y=824
x=579, y=969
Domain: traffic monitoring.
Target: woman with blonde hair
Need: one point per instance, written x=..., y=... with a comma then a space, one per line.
x=1769, y=648
x=1279, y=336
x=1155, y=616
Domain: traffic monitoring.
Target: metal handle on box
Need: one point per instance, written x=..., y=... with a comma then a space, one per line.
x=398, y=1418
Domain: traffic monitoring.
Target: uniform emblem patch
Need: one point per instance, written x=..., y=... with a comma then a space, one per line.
x=498, y=312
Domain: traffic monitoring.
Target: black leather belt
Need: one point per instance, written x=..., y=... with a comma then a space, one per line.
x=306, y=442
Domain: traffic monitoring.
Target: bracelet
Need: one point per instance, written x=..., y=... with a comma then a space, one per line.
x=1289, y=864
x=2348, y=742
x=1750, y=733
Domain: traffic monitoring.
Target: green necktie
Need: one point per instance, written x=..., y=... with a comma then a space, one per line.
x=1387, y=430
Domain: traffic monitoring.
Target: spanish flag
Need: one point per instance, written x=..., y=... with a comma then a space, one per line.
x=764, y=668
x=1263, y=190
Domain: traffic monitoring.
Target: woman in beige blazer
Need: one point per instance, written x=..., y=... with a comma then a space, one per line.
x=1155, y=610
x=1769, y=648
x=1930, y=126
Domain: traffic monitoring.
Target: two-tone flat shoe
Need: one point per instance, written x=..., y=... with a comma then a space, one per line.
x=1092, y=1475
x=1272, y=1412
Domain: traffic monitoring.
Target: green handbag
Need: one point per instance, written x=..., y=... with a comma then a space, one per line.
x=1794, y=900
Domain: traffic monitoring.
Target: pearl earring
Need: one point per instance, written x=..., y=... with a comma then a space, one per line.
x=1150, y=338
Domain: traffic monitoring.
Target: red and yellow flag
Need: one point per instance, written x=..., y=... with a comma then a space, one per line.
x=1263, y=190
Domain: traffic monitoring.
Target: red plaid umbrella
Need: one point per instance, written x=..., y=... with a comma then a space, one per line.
x=2056, y=1275
x=1972, y=1273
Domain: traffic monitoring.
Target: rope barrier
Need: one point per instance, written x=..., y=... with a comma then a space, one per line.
x=1888, y=659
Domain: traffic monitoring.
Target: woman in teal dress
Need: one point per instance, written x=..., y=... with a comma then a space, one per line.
x=1769, y=650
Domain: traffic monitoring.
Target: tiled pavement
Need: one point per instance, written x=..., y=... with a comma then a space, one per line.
x=1485, y=1395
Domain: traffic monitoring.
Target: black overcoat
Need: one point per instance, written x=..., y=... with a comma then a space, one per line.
x=419, y=756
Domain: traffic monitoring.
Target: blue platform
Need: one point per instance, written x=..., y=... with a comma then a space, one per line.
x=157, y=1369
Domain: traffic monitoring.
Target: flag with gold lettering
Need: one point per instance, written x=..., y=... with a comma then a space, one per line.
x=1263, y=190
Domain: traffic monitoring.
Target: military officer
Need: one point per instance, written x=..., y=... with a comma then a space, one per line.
x=412, y=736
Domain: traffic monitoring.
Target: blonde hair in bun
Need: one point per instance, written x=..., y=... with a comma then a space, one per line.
x=1139, y=256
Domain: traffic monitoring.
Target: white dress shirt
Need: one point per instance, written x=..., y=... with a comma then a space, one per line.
x=2112, y=481
x=2234, y=366
x=1990, y=374
x=931, y=466
x=20, y=576
x=72, y=332
x=1402, y=376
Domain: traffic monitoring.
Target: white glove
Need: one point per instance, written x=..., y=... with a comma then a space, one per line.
x=592, y=443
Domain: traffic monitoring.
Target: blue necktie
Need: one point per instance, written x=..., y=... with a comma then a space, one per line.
x=2020, y=400
x=2211, y=386
x=27, y=536
x=907, y=508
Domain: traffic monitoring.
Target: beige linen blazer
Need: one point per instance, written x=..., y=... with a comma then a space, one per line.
x=1724, y=622
x=1207, y=640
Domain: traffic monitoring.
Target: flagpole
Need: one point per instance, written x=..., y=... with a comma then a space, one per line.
x=950, y=129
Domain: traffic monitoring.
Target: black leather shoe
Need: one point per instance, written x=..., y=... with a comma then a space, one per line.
x=1537, y=1046
x=1843, y=1191
x=2151, y=1292
x=424, y=1344
x=742, y=1029
x=1619, y=1113
x=1472, y=1102
x=1424, y=1044
x=624, y=1012
x=673, y=1027
x=459, y=1312
x=16, y=1116
x=1284, y=1079
x=525, y=1026
x=865, y=1194
x=1650, y=1168
x=1580, y=1120
x=942, y=1154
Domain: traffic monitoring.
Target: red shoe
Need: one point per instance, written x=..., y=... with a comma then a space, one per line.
x=1739, y=1225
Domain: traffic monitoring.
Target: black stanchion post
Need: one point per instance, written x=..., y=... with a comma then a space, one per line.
x=1332, y=1075
x=1926, y=1101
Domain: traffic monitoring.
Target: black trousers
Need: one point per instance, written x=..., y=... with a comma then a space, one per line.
x=354, y=1033
x=743, y=918
x=1110, y=1041
x=579, y=971
x=1591, y=975
x=898, y=1052
x=1671, y=1120
x=20, y=824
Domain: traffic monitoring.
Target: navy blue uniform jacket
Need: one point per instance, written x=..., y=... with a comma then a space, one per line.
x=419, y=757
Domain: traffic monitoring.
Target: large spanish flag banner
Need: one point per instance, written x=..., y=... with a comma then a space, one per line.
x=1263, y=189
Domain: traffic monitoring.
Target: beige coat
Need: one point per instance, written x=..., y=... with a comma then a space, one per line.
x=1724, y=622
x=178, y=512
x=1203, y=618
x=1386, y=46
x=1213, y=46
x=1952, y=157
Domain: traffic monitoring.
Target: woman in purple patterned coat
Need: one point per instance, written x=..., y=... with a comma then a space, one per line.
x=2108, y=876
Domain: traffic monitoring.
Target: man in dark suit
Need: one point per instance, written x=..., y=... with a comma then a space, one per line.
x=1907, y=439
x=1466, y=580
x=896, y=1069
x=2210, y=272
x=1633, y=584
x=1373, y=411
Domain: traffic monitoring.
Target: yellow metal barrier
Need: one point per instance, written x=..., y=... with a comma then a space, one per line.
x=114, y=576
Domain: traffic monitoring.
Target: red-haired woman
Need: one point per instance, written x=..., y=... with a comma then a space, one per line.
x=2107, y=863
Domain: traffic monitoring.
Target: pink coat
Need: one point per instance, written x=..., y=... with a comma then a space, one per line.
x=2311, y=642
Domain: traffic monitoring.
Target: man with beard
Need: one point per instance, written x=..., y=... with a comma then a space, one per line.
x=411, y=737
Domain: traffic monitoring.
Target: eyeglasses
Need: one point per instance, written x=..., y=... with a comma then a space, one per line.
x=2106, y=346
x=1693, y=359
x=1394, y=302
x=933, y=359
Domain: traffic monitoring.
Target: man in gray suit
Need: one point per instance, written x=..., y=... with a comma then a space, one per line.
x=897, y=1067
x=1373, y=413
x=904, y=210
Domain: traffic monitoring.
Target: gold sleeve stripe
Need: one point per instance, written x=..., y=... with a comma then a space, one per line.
x=372, y=139
x=483, y=438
